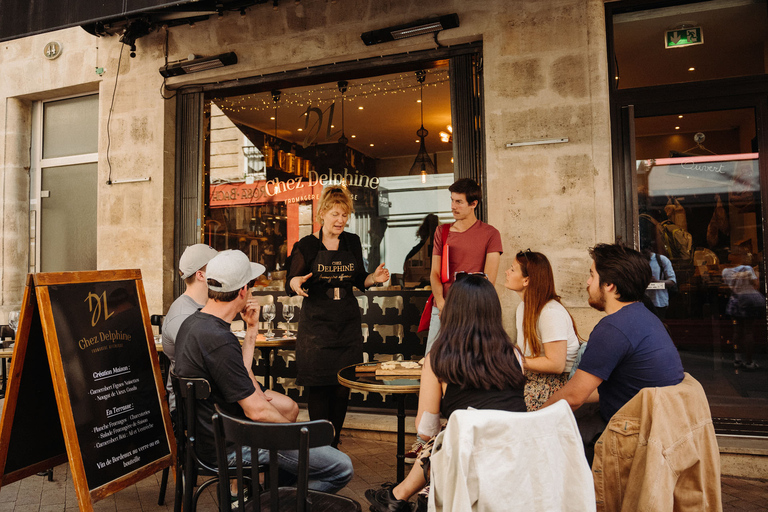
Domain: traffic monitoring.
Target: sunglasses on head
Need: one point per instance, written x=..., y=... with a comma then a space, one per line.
x=458, y=276
x=524, y=254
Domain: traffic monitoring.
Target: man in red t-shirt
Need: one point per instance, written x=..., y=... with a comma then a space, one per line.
x=474, y=246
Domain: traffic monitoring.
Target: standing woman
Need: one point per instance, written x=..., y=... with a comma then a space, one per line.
x=323, y=269
x=546, y=331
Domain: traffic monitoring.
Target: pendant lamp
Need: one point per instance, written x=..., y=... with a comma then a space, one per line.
x=423, y=164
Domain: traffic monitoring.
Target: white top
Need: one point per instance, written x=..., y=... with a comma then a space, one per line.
x=554, y=324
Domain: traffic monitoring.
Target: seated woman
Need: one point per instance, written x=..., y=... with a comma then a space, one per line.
x=546, y=331
x=473, y=363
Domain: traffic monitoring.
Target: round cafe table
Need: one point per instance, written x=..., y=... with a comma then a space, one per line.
x=396, y=385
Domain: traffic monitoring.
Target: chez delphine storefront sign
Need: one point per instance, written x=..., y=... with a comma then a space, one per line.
x=294, y=190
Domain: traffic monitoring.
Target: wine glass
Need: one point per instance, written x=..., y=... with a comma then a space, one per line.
x=13, y=320
x=288, y=312
x=268, y=310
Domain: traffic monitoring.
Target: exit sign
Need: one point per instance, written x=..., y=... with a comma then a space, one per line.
x=683, y=37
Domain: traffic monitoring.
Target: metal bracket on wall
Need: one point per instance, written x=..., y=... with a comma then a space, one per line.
x=536, y=142
x=131, y=180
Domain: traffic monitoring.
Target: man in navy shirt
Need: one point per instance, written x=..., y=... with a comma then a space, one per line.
x=629, y=349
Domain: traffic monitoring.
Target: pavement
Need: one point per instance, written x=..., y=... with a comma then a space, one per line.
x=373, y=460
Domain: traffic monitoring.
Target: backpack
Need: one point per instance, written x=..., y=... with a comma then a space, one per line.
x=677, y=241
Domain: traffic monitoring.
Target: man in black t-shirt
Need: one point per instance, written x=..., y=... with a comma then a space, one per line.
x=206, y=348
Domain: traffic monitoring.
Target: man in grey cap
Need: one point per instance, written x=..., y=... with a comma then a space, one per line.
x=206, y=348
x=192, y=270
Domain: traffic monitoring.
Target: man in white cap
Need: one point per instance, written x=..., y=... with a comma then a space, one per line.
x=206, y=348
x=192, y=270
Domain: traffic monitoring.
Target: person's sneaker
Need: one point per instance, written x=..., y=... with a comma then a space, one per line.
x=413, y=454
x=382, y=500
x=751, y=366
x=234, y=502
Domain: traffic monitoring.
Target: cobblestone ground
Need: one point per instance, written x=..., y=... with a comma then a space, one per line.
x=374, y=463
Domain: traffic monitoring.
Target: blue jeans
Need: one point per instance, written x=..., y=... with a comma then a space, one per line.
x=434, y=328
x=329, y=469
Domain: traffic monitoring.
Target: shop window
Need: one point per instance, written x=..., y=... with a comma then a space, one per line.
x=690, y=42
x=269, y=155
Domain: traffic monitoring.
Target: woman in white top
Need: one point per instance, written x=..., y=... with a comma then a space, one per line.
x=546, y=332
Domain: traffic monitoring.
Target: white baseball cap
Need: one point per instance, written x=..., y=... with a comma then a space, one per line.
x=232, y=270
x=194, y=258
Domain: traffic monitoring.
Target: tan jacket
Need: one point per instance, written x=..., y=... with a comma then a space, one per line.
x=659, y=453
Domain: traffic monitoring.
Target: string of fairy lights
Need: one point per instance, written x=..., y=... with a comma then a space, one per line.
x=399, y=84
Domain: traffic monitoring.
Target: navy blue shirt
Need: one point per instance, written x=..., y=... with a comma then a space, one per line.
x=630, y=350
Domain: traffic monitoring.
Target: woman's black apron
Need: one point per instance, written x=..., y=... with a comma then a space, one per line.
x=330, y=334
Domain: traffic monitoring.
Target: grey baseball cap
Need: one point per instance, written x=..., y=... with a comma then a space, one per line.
x=194, y=258
x=232, y=270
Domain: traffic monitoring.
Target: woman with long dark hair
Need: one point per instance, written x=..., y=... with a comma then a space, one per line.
x=473, y=363
x=546, y=332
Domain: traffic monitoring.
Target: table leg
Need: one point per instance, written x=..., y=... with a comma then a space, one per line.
x=400, y=437
x=266, y=353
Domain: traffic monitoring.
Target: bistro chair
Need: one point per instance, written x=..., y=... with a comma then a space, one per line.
x=237, y=433
x=189, y=392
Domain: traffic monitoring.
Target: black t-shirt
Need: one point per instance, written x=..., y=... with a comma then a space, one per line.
x=507, y=399
x=206, y=348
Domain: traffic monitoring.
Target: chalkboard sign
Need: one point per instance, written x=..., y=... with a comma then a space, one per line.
x=105, y=375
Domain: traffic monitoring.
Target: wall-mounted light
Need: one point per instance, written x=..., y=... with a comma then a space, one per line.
x=200, y=64
x=415, y=28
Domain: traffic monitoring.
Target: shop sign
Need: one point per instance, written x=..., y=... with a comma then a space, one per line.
x=286, y=190
x=683, y=37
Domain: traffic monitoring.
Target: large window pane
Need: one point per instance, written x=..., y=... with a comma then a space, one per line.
x=68, y=219
x=700, y=211
x=71, y=127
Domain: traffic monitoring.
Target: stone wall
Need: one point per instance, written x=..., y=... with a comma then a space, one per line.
x=545, y=72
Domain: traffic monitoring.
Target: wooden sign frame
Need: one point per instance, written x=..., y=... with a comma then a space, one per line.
x=38, y=319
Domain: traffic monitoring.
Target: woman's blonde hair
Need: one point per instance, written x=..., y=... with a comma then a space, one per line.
x=332, y=196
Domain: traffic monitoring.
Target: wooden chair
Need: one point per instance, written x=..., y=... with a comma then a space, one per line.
x=236, y=432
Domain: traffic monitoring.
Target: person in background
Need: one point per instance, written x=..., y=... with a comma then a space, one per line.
x=745, y=305
x=192, y=270
x=474, y=246
x=473, y=363
x=323, y=268
x=628, y=350
x=546, y=331
x=417, y=264
x=663, y=273
x=207, y=349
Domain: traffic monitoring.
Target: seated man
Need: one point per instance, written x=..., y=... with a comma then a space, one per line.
x=628, y=350
x=192, y=270
x=206, y=348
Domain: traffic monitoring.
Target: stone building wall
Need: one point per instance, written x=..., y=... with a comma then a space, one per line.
x=545, y=72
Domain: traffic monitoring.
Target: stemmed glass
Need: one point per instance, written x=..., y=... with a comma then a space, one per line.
x=268, y=310
x=13, y=320
x=288, y=312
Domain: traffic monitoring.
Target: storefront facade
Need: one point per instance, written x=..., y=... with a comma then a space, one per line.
x=535, y=72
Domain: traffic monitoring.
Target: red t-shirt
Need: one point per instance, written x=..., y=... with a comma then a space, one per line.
x=467, y=249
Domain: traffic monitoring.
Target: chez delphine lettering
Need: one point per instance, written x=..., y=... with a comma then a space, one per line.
x=275, y=186
x=336, y=267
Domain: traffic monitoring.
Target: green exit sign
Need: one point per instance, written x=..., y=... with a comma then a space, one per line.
x=683, y=37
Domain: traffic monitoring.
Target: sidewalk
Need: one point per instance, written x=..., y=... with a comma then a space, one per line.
x=373, y=460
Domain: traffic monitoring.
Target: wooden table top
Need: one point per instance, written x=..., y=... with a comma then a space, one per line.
x=382, y=384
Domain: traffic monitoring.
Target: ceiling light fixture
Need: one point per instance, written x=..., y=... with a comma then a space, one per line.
x=195, y=65
x=415, y=28
x=691, y=69
x=423, y=164
x=447, y=136
x=342, y=85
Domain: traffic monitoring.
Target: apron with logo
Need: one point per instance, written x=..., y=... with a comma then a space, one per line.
x=330, y=335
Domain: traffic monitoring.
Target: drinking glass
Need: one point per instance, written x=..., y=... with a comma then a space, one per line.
x=268, y=310
x=13, y=320
x=288, y=313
